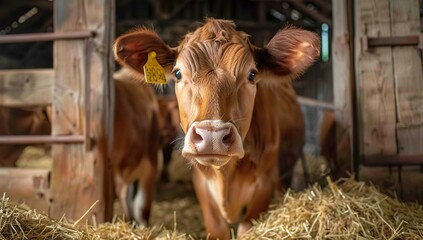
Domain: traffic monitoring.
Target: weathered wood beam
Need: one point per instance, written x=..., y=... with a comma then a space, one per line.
x=316, y=16
x=342, y=71
x=36, y=139
x=83, y=96
x=391, y=160
x=193, y=24
x=26, y=87
x=41, y=37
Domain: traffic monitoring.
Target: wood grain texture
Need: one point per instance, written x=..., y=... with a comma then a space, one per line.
x=342, y=69
x=375, y=81
x=27, y=87
x=28, y=186
x=408, y=78
x=83, y=70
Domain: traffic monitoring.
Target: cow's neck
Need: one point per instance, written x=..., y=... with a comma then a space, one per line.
x=219, y=188
x=232, y=187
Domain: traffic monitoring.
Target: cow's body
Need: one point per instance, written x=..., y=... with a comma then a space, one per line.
x=243, y=188
x=136, y=145
x=20, y=121
x=238, y=110
x=139, y=133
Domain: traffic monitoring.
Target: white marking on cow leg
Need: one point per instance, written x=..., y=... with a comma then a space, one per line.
x=243, y=227
x=139, y=204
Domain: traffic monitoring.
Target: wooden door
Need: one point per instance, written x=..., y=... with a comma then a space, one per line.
x=389, y=82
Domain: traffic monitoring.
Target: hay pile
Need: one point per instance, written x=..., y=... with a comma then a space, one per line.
x=35, y=157
x=18, y=222
x=343, y=210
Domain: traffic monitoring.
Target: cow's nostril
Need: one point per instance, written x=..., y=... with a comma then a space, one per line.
x=228, y=139
x=196, y=138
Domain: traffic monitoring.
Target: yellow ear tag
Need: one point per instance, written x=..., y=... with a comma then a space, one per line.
x=153, y=72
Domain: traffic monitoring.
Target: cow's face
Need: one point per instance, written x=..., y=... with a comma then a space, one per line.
x=216, y=71
x=215, y=87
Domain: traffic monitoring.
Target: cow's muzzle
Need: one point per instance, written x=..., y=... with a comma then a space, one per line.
x=212, y=143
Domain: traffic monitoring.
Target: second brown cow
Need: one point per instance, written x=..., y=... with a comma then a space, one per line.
x=138, y=138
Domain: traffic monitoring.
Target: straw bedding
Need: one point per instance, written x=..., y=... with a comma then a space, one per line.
x=343, y=210
x=18, y=222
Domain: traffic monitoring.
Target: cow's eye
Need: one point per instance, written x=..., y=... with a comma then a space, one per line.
x=251, y=76
x=178, y=74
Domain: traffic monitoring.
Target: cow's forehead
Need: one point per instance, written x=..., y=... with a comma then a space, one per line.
x=216, y=45
x=215, y=30
x=210, y=55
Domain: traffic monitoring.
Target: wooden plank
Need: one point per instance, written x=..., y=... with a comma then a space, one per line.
x=408, y=78
x=393, y=160
x=375, y=83
x=102, y=91
x=83, y=71
x=342, y=76
x=26, y=87
x=28, y=186
x=410, y=139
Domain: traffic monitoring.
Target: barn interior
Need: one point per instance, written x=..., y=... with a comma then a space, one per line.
x=342, y=140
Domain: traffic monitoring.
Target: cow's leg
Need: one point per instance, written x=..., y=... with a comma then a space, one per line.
x=306, y=169
x=109, y=183
x=216, y=226
x=121, y=189
x=146, y=188
x=260, y=202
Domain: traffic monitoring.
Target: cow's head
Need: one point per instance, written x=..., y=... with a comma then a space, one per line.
x=216, y=70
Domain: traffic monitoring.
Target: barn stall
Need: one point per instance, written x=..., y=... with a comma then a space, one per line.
x=331, y=93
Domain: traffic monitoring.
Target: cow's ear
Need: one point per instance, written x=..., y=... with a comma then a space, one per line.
x=289, y=53
x=131, y=50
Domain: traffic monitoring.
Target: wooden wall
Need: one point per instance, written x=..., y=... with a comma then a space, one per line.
x=389, y=81
x=80, y=91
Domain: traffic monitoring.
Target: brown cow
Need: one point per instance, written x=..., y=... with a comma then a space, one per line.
x=234, y=101
x=136, y=146
x=340, y=166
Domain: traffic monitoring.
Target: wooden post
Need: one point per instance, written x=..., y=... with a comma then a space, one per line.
x=375, y=81
x=405, y=21
x=82, y=85
x=342, y=85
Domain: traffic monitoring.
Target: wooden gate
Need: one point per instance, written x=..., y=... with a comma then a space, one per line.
x=389, y=82
x=80, y=92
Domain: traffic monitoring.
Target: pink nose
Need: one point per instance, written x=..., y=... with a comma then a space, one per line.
x=213, y=137
x=209, y=140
